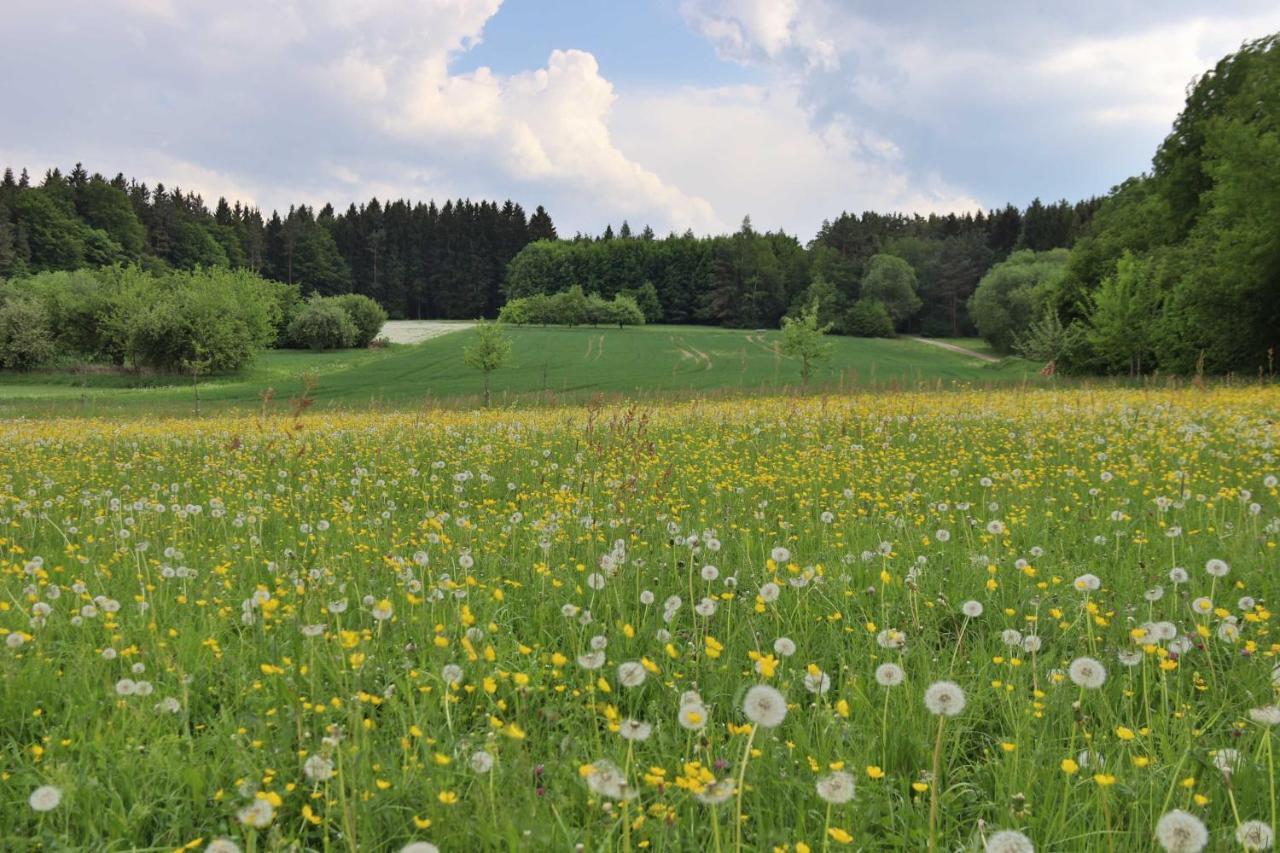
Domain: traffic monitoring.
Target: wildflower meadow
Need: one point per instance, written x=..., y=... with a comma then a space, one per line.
x=1005, y=621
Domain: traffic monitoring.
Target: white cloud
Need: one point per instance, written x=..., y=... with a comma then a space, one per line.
x=1028, y=101
x=1140, y=77
x=754, y=150
x=748, y=30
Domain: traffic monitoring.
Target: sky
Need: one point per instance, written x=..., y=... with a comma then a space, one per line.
x=673, y=113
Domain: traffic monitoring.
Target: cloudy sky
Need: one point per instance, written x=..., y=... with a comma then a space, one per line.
x=678, y=113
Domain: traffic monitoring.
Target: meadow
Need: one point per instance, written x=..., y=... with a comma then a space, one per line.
x=550, y=365
x=1001, y=620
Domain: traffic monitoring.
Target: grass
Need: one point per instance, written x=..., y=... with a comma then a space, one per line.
x=539, y=628
x=549, y=364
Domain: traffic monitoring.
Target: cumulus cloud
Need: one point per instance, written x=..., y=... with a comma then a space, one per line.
x=754, y=150
x=277, y=94
x=1027, y=100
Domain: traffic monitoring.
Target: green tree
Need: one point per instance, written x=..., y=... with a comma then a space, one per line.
x=26, y=340
x=1051, y=341
x=804, y=339
x=106, y=207
x=1014, y=293
x=868, y=318
x=322, y=324
x=892, y=282
x=1123, y=319
x=367, y=315
x=570, y=307
x=489, y=350
x=646, y=298
x=830, y=302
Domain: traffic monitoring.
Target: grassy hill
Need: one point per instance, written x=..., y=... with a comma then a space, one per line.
x=548, y=364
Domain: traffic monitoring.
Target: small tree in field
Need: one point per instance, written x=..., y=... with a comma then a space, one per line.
x=803, y=338
x=490, y=350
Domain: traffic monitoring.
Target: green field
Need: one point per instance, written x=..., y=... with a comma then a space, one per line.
x=867, y=621
x=551, y=364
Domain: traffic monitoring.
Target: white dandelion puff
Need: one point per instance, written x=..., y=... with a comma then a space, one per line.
x=45, y=798
x=1181, y=832
x=1087, y=673
x=631, y=673
x=1008, y=841
x=1255, y=835
x=765, y=706
x=944, y=698
x=836, y=788
x=889, y=675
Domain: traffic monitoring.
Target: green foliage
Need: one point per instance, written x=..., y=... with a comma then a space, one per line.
x=646, y=299
x=1203, y=249
x=489, y=350
x=125, y=315
x=26, y=340
x=218, y=317
x=367, y=315
x=107, y=208
x=625, y=311
x=1013, y=293
x=1124, y=314
x=803, y=338
x=53, y=238
x=321, y=324
x=868, y=318
x=892, y=282
x=1048, y=340
x=572, y=308
x=829, y=301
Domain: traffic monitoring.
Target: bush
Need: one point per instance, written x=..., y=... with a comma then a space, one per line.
x=220, y=317
x=646, y=298
x=25, y=339
x=322, y=324
x=626, y=312
x=367, y=315
x=892, y=281
x=868, y=318
x=162, y=320
x=571, y=308
x=1014, y=293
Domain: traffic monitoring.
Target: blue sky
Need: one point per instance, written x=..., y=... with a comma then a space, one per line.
x=677, y=113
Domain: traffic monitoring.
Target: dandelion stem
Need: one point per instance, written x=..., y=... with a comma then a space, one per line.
x=742, y=774
x=1271, y=775
x=934, y=782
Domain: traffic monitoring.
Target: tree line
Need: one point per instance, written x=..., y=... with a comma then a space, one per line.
x=466, y=259
x=752, y=279
x=1179, y=269
x=1176, y=269
x=418, y=260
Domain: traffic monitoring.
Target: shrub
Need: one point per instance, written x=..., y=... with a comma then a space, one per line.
x=646, y=298
x=868, y=318
x=322, y=324
x=367, y=315
x=626, y=312
x=569, y=307
x=220, y=319
x=25, y=339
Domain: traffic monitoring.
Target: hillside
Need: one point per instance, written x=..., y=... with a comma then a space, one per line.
x=547, y=363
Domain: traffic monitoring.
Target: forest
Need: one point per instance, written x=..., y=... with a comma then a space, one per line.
x=1176, y=269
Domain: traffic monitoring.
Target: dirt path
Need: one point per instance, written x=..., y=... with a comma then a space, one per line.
x=980, y=356
x=417, y=331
